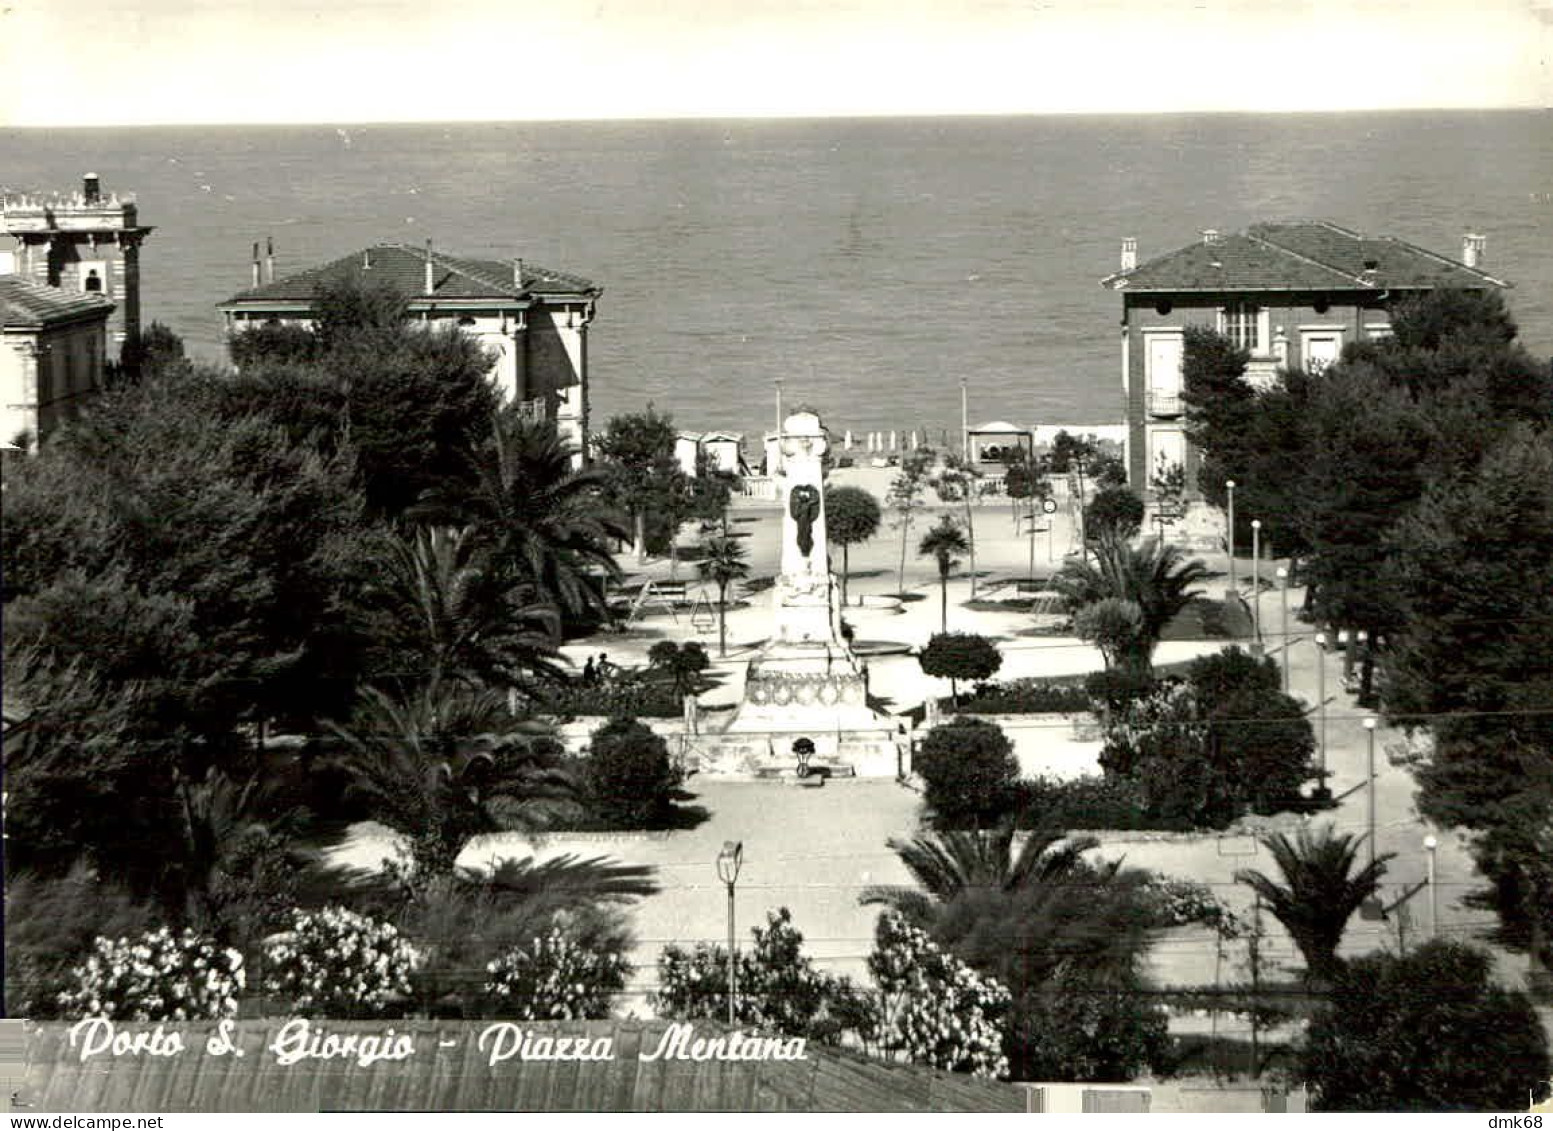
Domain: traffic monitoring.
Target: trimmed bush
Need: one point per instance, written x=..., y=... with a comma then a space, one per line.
x=1028, y=697
x=1091, y=802
x=632, y=783
x=960, y=655
x=970, y=773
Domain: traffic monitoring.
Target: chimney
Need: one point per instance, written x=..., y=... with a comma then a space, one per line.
x=256, y=263
x=1129, y=253
x=1210, y=235
x=269, y=259
x=1472, y=249
x=1368, y=276
x=517, y=274
x=91, y=189
x=366, y=260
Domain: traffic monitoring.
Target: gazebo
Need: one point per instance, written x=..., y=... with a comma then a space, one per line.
x=999, y=442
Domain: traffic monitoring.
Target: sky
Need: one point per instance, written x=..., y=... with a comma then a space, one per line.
x=152, y=62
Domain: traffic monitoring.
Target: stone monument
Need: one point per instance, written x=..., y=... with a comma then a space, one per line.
x=806, y=682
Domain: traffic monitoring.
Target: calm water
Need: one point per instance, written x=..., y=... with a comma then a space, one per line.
x=869, y=265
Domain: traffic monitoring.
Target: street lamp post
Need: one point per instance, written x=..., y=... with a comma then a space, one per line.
x=1229, y=486
x=1321, y=709
x=1430, y=844
x=729, y=860
x=1256, y=577
x=1283, y=593
x=1369, y=728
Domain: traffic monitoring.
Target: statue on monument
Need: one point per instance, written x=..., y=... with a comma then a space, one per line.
x=804, y=506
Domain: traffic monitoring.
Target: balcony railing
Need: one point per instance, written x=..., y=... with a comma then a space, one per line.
x=1165, y=404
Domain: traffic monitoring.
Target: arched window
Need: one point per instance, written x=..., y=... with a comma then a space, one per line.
x=93, y=283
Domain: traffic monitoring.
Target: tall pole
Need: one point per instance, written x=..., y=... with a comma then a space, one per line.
x=1283, y=594
x=1369, y=727
x=1256, y=577
x=776, y=459
x=1430, y=844
x=733, y=965
x=965, y=422
x=1229, y=485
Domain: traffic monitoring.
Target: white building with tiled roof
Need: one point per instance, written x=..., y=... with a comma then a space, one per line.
x=533, y=321
x=85, y=242
x=52, y=343
x=1291, y=294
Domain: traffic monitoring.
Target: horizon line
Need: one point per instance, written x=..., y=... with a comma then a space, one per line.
x=849, y=115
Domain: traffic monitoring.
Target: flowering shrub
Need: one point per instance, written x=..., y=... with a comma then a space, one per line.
x=157, y=976
x=335, y=963
x=779, y=989
x=1183, y=903
x=935, y=1008
x=555, y=978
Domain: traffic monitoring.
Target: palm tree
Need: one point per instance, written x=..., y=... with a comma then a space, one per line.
x=943, y=542
x=724, y=561
x=1028, y=917
x=948, y=864
x=1156, y=577
x=544, y=521
x=447, y=765
x=1319, y=893
x=452, y=617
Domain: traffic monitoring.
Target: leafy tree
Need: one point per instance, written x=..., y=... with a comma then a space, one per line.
x=645, y=476
x=1319, y=893
x=1220, y=407
x=1115, y=514
x=942, y=543
x=1481, y=680
x=958, y=481
x=162, y=499
x=1426, y=1032
x=543, y=522
x=852, y=516
x=157, y=350
x=632, y=782
x=683, y=662
x=969, y=770
x=1156, y=577
x=723, y=561
x=905, y=498
x=1205, y=749
x=445, y=765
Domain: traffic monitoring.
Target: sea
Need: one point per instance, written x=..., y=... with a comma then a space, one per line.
x=868, y=266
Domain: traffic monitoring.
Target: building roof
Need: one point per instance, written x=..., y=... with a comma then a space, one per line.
x=403, y=268
x=999, y=428
x=25, y=305
x=1300, y=255
x=449, y=1071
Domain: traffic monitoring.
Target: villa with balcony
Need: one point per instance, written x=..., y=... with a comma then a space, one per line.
x=1292, y=293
